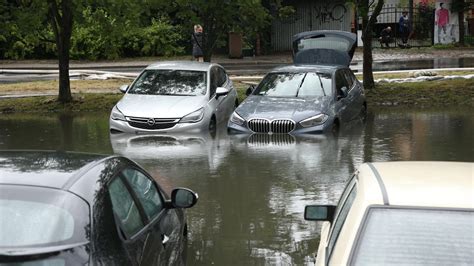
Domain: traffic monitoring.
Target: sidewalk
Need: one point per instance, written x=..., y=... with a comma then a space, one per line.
x=379, y=55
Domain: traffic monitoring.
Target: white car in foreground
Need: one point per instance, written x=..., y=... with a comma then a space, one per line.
x=175, y=97
x=400, y=213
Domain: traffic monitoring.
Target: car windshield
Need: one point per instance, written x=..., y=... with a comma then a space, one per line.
x=40, y=217
x=416, y=236
x=170, y=82
x=306, y=84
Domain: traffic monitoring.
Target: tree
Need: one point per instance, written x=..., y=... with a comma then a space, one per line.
x=461, y=6
x=60, y=15
x=38, y=26
x=219, y=17
x=368, y=21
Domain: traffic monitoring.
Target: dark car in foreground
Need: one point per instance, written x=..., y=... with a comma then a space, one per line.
x=316, y=94
x=61, y=208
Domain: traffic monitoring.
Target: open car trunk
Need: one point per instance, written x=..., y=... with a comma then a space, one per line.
x=325, y=47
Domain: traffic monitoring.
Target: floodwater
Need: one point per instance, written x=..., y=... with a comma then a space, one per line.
x=253, y=189
x=433, y=63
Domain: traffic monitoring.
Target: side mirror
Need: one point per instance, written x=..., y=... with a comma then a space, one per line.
x=221, y=91
x=183, y=198
x=250, y=90
x=344, y=93
x=123, y=88
x=319, y=212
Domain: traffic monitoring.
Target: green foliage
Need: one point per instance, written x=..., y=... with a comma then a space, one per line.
x=24, y=31
x=96, y=37
x=110, y=29
x=160, y=38
x=425, y=25
x=101, y=34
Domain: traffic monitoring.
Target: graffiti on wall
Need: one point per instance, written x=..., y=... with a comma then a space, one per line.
x=330, y=12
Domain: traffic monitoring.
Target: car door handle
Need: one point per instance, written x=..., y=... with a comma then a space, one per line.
x=165, y=239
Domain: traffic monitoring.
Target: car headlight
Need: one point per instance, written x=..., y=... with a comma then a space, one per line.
x=193, y=117
x=237, y=119
x=116, y=114
x=314, y=120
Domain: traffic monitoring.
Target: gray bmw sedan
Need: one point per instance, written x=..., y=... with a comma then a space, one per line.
x=316, y=94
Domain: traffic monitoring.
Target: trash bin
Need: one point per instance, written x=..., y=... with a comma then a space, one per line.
x=235, y=45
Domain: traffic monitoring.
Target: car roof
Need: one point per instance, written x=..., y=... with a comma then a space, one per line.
x=182, y=65
x=44, y=168
x=426, y=184
x=307, y=68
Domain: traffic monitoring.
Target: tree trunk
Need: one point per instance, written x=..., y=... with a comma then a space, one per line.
x=257, y=45
x=367, y=26
x=61, y=23
x=367, y=72
x=461, y=24
x=64, y=85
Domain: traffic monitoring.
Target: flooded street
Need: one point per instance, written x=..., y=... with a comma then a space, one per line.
x=253, y=189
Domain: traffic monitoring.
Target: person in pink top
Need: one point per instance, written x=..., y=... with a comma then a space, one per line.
x=442, y=20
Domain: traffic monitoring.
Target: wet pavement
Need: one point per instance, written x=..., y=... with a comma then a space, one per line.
x=384, y=59
x=252, y=189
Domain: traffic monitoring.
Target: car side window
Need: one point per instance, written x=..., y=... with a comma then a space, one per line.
x=146, y=192
x=214, y=80
x=349, y=78
x=340, y=82
x=342, y=210
x=222, y=77
x=125, y=208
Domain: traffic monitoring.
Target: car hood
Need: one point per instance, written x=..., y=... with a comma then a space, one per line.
x=282, y=108
x=159, y=106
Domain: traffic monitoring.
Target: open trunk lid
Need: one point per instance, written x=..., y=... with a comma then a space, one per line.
x=324, y=47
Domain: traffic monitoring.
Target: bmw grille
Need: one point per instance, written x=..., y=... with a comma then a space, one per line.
x=275, y=126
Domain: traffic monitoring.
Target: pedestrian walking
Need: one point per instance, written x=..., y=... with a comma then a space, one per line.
x=197, y=43
x=404, y=28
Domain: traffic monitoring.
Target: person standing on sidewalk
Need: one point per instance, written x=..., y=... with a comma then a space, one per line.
x=404, y=28
x=197, y=43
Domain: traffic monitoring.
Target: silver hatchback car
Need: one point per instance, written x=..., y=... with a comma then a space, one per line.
x=179, y=96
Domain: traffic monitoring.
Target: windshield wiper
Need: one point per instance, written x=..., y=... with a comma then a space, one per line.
x=174, y=94
x=321, y=82
x=301, y=84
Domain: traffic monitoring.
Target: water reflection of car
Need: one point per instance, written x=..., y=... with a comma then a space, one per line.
x=316, y=94
x=175, y=97
x=400, y=213
x=201, y=147
x=151, y=146
x=61, y=208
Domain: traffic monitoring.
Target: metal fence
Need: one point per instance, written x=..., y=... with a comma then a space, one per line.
x=421, y=24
